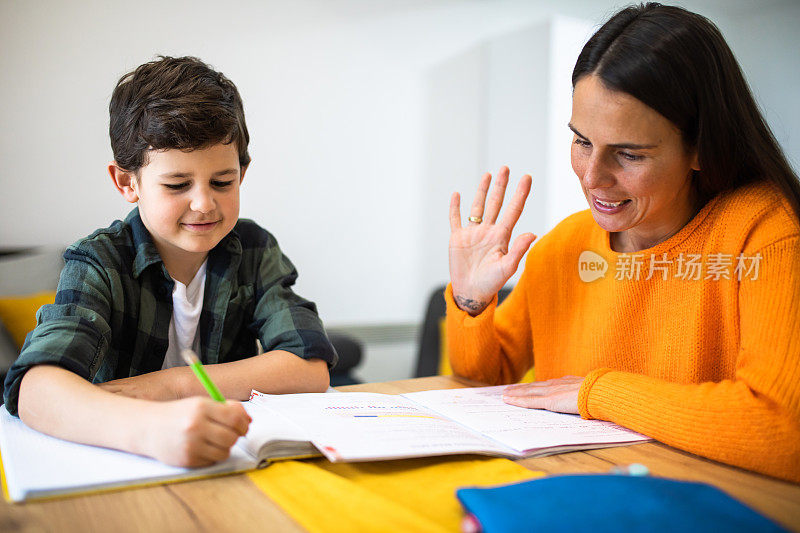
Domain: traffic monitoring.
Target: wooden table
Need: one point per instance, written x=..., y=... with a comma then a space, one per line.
x=233, y=503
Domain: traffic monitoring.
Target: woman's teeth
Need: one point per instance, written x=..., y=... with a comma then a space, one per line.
x=611, y=204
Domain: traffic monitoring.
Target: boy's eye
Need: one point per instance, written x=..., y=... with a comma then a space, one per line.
x=176, y=186
x=221, y=184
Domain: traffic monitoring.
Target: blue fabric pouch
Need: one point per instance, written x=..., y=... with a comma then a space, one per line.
x=609, y=503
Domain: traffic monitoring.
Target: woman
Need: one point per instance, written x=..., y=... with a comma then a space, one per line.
x=671, y=306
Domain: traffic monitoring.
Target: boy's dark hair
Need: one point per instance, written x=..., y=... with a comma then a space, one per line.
x=174, y=102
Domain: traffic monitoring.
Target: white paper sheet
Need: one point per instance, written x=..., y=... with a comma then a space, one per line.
x=268, y=424
x=36, y=464
x=522, y=429
x=359, y=426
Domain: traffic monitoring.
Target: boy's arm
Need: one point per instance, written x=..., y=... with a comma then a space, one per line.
x=190, y=432
x=298, y=352
x=289, y=328
x=73, y=333
x=275, y=372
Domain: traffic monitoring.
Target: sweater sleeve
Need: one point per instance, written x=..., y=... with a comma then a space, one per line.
x=751, y=421
x=496, y=346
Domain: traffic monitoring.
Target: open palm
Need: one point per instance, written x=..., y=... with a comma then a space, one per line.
x=480, y=259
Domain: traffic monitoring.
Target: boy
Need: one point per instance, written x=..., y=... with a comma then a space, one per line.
x=102, y=366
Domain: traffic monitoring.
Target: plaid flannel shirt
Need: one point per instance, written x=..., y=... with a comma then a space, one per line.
x=113, y=307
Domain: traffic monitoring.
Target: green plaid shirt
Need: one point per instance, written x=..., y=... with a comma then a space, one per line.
x=113, y=307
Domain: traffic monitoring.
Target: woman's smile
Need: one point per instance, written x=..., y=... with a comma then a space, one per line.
x=609, y=207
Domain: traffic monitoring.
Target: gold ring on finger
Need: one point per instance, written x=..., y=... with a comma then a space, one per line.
x=476, y=220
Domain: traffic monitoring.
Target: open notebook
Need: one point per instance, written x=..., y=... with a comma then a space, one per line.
x=349, y=426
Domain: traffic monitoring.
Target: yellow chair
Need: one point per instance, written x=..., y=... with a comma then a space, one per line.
x=18, y=313
x=28, y=280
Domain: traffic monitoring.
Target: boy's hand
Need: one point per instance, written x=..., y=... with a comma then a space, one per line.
x=159, y=386
x=194, y=431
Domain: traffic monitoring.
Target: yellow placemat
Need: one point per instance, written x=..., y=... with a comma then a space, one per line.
x=403, y=495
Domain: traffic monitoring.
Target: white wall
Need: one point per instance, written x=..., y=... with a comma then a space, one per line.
x=506, y=101
x=364, y=116
x=766, y=42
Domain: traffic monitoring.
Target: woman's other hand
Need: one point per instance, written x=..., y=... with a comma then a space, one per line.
x=480, y=259
x=559, y=395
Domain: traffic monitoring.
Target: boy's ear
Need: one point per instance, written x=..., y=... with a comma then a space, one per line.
x=124, y=182
x=241, y=176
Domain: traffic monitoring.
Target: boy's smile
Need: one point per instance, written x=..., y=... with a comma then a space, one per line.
x=200, y=226
x=188, y=202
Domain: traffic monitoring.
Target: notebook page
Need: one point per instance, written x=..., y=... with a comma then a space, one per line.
x=36, y=464
x=360, y=426
x=483, y=409
x=268, y=425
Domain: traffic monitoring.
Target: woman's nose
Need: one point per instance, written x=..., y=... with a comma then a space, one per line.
x=596, y=175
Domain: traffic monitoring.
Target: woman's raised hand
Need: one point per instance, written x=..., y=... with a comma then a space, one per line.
x=480, y=259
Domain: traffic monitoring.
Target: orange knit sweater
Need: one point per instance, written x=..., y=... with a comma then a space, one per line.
x=711, y=366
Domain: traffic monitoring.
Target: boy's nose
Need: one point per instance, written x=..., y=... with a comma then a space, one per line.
x=202, y=201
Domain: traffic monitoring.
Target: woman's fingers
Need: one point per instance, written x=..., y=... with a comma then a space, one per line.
x=514, y=208
x=518, y=249
x=496, y=199
x=525, y=389
x=476, y=211
x=455, y=211
x=533, y=402
x=484, y=210
x=559, y=395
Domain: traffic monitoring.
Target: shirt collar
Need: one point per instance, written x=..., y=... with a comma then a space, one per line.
x=147, y=253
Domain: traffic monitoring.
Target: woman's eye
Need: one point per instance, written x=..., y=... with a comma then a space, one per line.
x=631, y=157
x=583, y=142
x=221, y=184
x=176, y=186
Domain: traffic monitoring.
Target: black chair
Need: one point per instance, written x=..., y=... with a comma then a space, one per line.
x=430, y=343
x=350, y=353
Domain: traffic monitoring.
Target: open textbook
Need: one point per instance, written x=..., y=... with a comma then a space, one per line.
x=348, y=426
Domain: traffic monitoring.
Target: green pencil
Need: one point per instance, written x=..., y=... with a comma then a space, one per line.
x=191, y=359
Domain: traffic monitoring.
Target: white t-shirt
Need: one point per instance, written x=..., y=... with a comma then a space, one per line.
x=187, y=304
